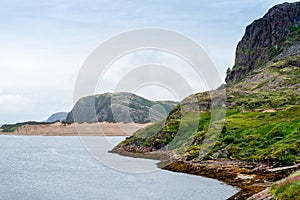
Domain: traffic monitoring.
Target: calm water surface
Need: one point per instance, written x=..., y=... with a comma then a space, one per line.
x=37, y=167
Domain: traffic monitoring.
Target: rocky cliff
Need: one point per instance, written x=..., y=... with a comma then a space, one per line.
x=119, y=107
x=262, y=101
x=273, y=37
x=262, y=125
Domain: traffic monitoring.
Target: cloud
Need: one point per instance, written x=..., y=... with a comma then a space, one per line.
x=12, y=103
x=128, y=63
x=34, y=105
x=44, y=43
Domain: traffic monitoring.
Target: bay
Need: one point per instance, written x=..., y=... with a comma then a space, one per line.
x=39, y=167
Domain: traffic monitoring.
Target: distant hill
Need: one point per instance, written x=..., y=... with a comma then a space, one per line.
x=119, y=107
x=108, y=107
x=60, y=116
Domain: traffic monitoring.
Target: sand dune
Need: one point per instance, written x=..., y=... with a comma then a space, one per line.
x=92, y=129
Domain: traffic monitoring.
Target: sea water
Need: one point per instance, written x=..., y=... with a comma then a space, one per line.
x=58, y=167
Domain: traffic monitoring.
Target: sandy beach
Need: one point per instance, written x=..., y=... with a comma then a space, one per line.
x=75, y=129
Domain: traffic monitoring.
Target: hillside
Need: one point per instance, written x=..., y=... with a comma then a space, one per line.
x=109, y=107
x=262, y=117
x=60, y=116
x=262, y=125
x=119, y=107
x=262, y=120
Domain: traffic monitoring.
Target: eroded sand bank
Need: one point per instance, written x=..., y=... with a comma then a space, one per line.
x=59, y=129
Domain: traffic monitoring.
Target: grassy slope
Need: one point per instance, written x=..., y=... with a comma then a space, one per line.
x=262, y=120
x=13, y=127
x=289, y=188
x=252, y=135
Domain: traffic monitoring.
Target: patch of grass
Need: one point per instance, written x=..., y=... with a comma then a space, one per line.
x=274, y=51
x=260, y=136
x=149, y=131
x=286, y=189
x=13, y=127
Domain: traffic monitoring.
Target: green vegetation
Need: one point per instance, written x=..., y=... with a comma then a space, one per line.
x=118, y=107
x=257, y=136
x=262, y=123
x=286, y=189
x=248, y=135
x=274, y=51
x=262, y=120
x=13, y=127
x=292, y=37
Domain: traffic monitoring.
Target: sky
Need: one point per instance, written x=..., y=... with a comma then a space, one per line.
x=45, y=43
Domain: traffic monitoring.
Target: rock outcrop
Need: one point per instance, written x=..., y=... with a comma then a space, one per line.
x=274, y=36
x=60, y=116
x=119, y=107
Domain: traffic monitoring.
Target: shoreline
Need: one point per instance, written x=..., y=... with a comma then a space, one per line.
x=249, y=178
x=76, y=129
x=62, y=134
x=249, y=182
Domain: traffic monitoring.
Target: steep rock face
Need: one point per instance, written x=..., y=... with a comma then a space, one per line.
x=274, y=36
x=119, y=107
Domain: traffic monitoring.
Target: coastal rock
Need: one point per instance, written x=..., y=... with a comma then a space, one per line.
x=263, y=195
x=223, y=153
x=274, y=36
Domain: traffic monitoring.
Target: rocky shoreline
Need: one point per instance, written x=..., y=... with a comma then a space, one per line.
x=252, y=179
x=236, y=173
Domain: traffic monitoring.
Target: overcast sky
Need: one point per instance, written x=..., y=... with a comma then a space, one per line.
x=44, y=43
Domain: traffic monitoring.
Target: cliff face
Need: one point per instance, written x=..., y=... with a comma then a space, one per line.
x=274, y=36
x=119, y=107
x=262, y=102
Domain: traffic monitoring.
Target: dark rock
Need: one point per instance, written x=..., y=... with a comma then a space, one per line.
x=119, y=107
x=276, y=34
x=223, y=153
